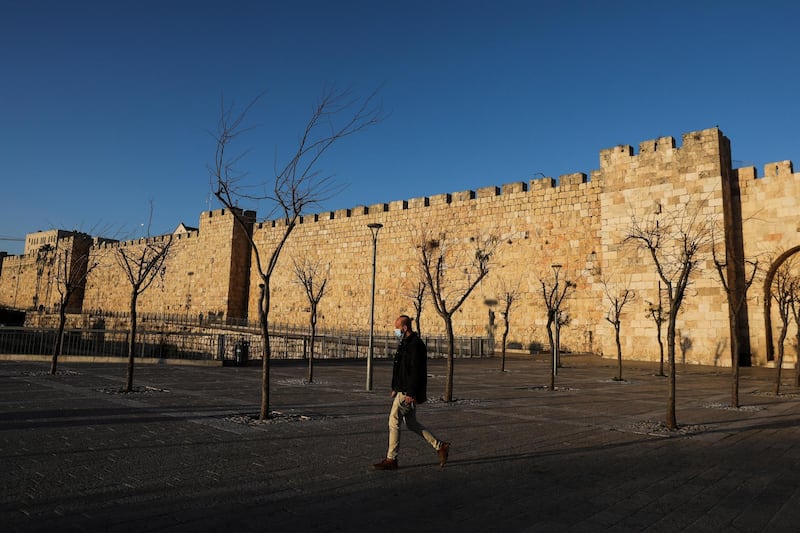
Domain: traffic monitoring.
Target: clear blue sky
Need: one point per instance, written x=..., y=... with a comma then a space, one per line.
x=107, y=105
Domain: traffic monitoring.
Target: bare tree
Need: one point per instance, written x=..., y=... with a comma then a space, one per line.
x=141, y=266
x=655, y=311
x=72, y=269
x=617, y=299
x=675, y=243
x=784, y=291
x=736, y=300
x=509, y=295
x=554, y=296
x=315, y=283
x=451, y=281
x=295, y=187
x=418, y=299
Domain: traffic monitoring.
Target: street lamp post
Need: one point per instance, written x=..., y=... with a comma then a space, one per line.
x=374, y=229
x=557, y=311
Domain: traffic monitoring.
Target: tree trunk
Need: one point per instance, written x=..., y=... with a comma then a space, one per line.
x=619, y=351
x=503, y=353
x=311, y=349
x=59, y=340
x=734, y=365
x=451, y=341
x=263, y=319
x=552, y=385
x=661, y=352
x=779, y=361
x=132, y=340
x=671, y=421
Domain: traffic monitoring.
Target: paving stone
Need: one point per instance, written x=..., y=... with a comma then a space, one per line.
x=184, y=454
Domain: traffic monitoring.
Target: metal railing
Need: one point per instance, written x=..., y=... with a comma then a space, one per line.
x=233, y=346
x=108, y=343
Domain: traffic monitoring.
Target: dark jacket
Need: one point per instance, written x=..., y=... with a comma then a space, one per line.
x=410, y=370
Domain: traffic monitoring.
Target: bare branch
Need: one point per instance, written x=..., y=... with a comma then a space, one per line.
x=309, y=275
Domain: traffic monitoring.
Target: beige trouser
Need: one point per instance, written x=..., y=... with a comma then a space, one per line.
x=403, y=411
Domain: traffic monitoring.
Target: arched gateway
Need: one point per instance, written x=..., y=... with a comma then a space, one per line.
x=768, y=298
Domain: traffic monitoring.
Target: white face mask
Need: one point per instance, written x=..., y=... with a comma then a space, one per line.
x=398, y=333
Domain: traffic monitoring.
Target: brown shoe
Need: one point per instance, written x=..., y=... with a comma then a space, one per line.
x=386, y=464
x=443, y=451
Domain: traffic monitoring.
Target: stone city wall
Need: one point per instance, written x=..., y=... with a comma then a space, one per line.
x=30, y=281
x=205, y=272
x=537, y=224
x=577, y=222
x=18, y=281
x=667, y=185
x=771, y=226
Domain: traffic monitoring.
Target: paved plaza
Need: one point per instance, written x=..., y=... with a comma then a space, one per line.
x=182, y=454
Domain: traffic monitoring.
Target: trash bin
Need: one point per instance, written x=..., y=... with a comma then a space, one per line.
x=241, y=352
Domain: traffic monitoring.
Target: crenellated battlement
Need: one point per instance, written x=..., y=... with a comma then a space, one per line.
x=662, y=143
x=141, y=241
x=620, y=155
x=225, y=213
x=537, y=188
x=208, y=219
x=571, y=180
x=704, y=142
x=778, y=169
x=224, y=216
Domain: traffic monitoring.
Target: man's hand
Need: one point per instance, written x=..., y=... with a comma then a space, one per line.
x=410, y=400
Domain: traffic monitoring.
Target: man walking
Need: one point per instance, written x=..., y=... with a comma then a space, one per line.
x=409, y=381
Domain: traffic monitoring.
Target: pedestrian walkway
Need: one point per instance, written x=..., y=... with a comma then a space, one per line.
x=183, y=453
